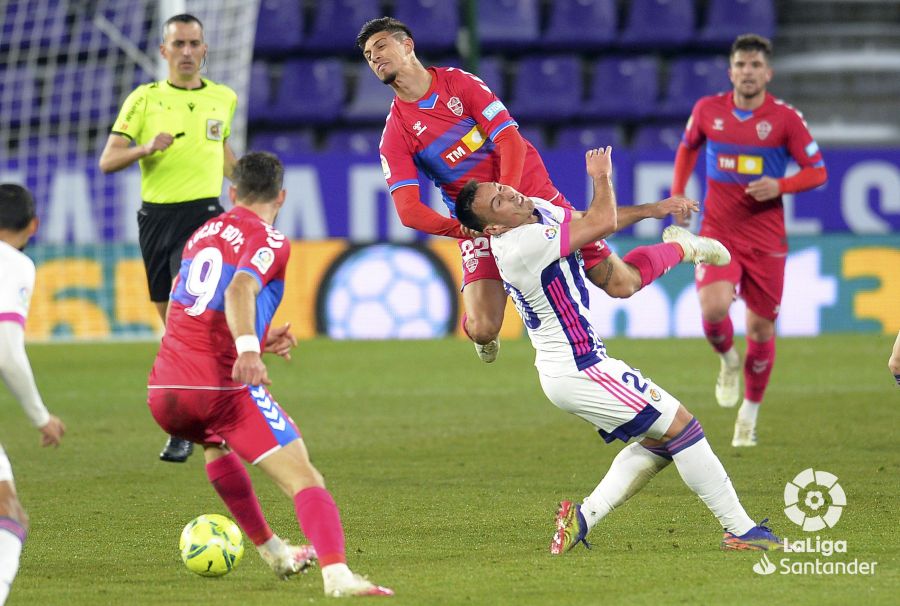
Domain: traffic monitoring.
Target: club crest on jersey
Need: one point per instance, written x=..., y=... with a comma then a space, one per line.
x=470, y=142
x=471, y=264
x=763, y=128
x=263, y=259
x=718, y=124
x=214, y=129
x=550, y=233
x=455, y=106
x=419, y=128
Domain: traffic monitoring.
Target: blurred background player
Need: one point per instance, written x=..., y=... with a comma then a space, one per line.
x=208, y=382
x=533, y=243
x=750, y=136
x=180, y=128
x=17, y=224
x=447, y=123
x=894, y=360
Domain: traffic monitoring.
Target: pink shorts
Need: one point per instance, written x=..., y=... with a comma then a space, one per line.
x=758, y=277
x=478, y=261
x=248, y=419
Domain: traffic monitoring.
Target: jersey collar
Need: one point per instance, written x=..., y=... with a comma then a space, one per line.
x=202, y=85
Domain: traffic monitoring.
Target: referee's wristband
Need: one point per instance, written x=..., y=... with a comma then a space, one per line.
x=246, y=343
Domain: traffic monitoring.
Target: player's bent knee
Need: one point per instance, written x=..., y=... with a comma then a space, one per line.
x=482, y=329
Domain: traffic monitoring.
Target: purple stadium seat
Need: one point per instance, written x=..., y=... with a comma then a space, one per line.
x=536, y=135
x=507, y=24
x=579, y=24
x=659, y=24
x=337, y=23
x=285, y=145
x=260, y=98
x=279, y=27
x=434, y=23
x=79, y=93
x=659, y=137
x=18, y=94
x=690, y=79
x=372, y=100
x=356, y=142
x=547, y=88
x=587, y=137
x=728, y=19
x=311, y=90
x=40, y=24
x=624, y=88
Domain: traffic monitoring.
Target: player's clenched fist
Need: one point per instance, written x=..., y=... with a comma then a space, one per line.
x=599, y=162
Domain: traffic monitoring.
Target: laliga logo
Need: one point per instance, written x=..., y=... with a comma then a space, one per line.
x=813, y=500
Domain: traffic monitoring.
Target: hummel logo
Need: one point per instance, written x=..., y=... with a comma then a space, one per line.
x=760, y=366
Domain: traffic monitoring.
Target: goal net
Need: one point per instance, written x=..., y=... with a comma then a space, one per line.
x=65, y=68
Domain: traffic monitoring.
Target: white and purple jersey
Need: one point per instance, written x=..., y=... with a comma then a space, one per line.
x=16, y=284
x=546, y=281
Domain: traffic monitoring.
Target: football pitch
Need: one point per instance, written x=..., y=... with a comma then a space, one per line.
x=447, y=472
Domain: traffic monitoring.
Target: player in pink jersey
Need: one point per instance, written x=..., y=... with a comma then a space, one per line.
x=208, y=384
x=448, y=124
x=750, y=136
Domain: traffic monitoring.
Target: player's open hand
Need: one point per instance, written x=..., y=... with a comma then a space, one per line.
x=160, y=142
x=52, y=432
x=250, y=369
x=280, y=341
x=677, y=206
x=470, y=233
x=764, y=188
x=599, y=162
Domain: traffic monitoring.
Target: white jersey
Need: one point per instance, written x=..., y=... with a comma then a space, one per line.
x=16, y=284
x=546, y=281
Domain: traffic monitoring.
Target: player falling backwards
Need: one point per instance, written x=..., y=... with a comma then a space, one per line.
x=750, y=136
x=536, y=247
x=208, y=381
x=447, y=123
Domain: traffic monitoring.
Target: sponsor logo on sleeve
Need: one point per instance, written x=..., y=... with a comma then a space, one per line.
x=263, y=259
x=550, y=233
x=385, y=168
x=812, y=149
x=492, y=110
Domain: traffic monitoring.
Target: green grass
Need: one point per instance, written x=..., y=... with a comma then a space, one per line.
x=447, y=472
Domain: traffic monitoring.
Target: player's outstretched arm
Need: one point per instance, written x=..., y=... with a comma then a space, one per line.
x=415, y=214
x=240, y=313
x=119, y=153
x=599, y=220
x=894, y=361
x=677, y=206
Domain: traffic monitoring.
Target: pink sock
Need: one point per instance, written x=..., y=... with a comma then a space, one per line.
x=320, y=521
x=231, y=480
x=655, y=260
x=758, y=368
x=719, y=334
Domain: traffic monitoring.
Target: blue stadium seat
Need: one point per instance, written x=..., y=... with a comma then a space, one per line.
x=372, y=100
x=286, y=145
x=580, y=24
x=43, y=24
x=547, y=88
x=80, y=93
x=588, y=137
x=434, y=23
x=690, y=79
x=490, y=70
x=363, y=142
x=624, y=88
x=337, y=23
x=659, y=24
x=536, y=135
x=18, y=94
x=279, y=27
x=260, y=94
x=507, y=24
x=311, y=90
x=658, y=137
x=728, y=19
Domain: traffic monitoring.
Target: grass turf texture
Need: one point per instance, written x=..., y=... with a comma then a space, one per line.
x=447, y=472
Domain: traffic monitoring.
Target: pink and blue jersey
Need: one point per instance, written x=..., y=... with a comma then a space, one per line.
x=449, y=135
x=198, y=348
x=742, y=146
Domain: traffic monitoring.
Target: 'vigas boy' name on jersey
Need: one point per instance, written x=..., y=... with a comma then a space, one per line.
x=231, y=234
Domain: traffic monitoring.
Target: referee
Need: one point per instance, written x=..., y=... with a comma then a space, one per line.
x=180, y=128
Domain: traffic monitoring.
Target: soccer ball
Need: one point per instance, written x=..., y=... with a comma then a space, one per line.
x=211, y=545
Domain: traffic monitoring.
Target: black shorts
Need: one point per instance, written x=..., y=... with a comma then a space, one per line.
x=163, y=230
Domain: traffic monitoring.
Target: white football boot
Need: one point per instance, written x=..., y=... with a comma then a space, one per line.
x=744, y=434
x=293, y=559
x=728, y=384
x=341, y=582
x=697, y=249
x=488, y=352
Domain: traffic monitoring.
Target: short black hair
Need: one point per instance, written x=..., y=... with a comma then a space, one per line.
x=182, y=18
x=16, y=207
x=463, y=210
x=258, y=177
x=752, y=43
x=384, y=24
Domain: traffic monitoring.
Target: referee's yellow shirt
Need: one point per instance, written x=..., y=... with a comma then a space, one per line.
x=199, y=119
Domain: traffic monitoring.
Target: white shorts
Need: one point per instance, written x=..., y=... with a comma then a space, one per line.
x=5, y=467
x=615, y=398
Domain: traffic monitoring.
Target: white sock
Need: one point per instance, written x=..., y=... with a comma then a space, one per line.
x=10, y=548
x=274, y=547
x=702, y=471
x=731, y=358
x=748, y=411
x=630, y=471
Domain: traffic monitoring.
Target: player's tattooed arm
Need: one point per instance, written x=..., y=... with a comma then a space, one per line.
x=601, y=274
